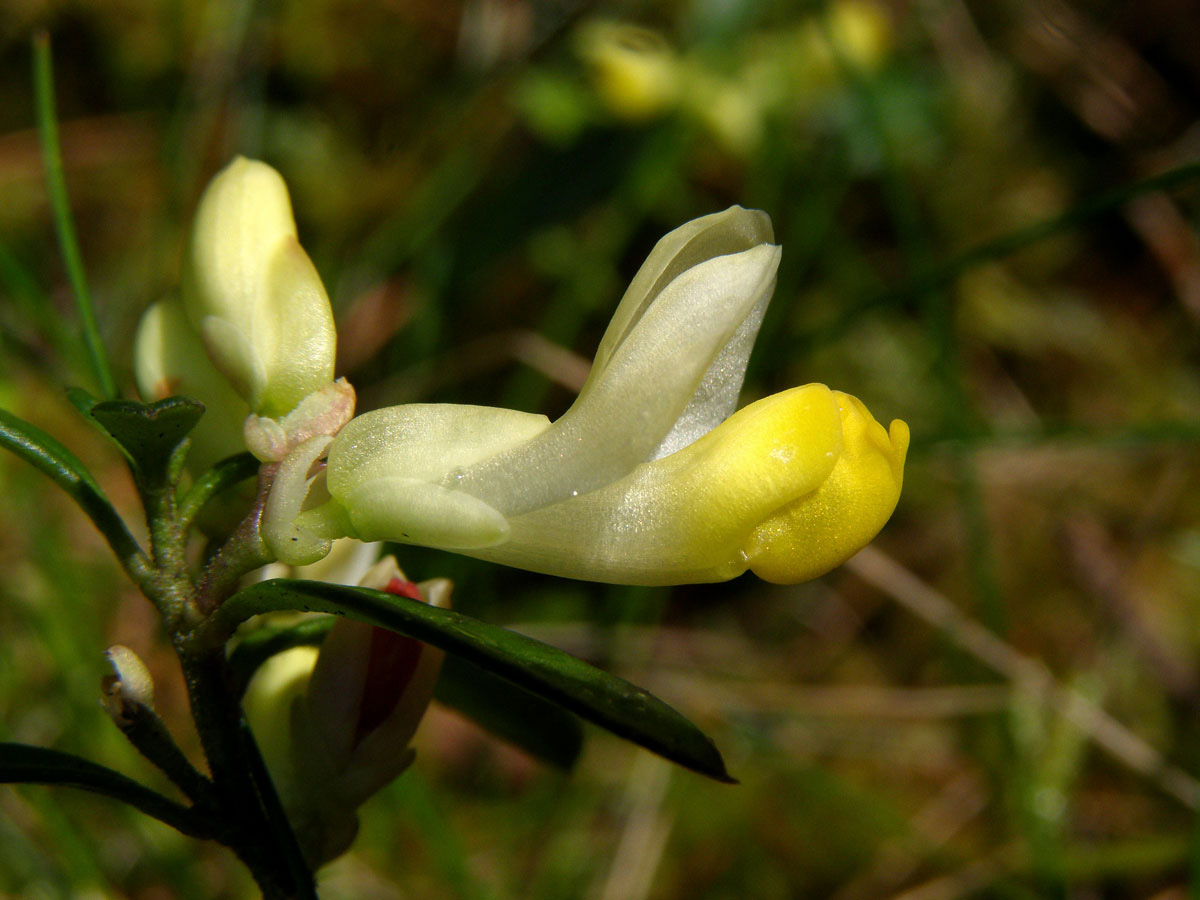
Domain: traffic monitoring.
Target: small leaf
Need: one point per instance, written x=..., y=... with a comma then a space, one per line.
x=606, y=700
x=541, y=728
x=149, y=432
x=24, y=764
x=82, y=400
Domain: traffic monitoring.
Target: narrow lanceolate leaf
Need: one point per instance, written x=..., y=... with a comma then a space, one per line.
x=148, y=432
x=539, y=727
x=24, y=764
x=49, y=456
x=547, y=672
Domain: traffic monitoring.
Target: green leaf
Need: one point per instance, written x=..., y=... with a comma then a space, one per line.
x=149, y=432
x=547, y=672
x=24, y=764
x=46, y=454
x=83, y=401
x=539, y=727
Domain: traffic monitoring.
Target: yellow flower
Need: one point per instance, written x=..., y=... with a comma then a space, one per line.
x=635, y=71
x=650, y=477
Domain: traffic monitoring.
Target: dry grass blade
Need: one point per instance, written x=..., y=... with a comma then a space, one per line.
x=1026, y=673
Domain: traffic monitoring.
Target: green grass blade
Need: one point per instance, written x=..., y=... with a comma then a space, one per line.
x=43, y=78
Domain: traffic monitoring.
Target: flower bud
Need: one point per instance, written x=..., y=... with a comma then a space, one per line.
x=169, y=359
x=253, y=295
x=129, y=688
x=335, y=726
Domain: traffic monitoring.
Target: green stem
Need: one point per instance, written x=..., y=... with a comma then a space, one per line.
x=219, y=478
x=253, y=833
x=43, y=77
x=243, y=552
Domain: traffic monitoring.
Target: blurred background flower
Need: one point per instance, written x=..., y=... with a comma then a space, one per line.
x=476, y=181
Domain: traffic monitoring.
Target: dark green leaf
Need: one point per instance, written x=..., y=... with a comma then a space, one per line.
x=49, y=456
x=539, y=727
x=24, y=764
x=149, y=432
x=606, y=700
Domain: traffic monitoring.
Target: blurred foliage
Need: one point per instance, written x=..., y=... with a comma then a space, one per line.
x=476, y=182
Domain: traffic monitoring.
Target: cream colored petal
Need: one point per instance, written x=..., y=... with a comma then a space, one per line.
x=244, y=214
x=394, y=471
x=424, y=441
x=647, y=383
x=716, y=397
x=296, y=316
x=238, y=359
x=684, y=518
x=251, y=291
x=416, y=512
x=719, y=234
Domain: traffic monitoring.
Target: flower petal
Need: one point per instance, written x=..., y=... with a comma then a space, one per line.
x=297, y=315
x=394, y=470
x=645, y=385
x=244, y=214
x=253, y=293
x=719, y=234
x=169, y=359
x=684, y=518
x=822, y=530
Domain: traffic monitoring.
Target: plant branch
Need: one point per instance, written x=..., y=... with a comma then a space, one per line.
x=243, y=552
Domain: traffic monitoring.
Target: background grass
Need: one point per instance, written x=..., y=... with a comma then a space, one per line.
x=999, y=700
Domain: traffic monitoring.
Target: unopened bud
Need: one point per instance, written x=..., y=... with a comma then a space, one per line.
x=337, y=728
x=129, y=688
